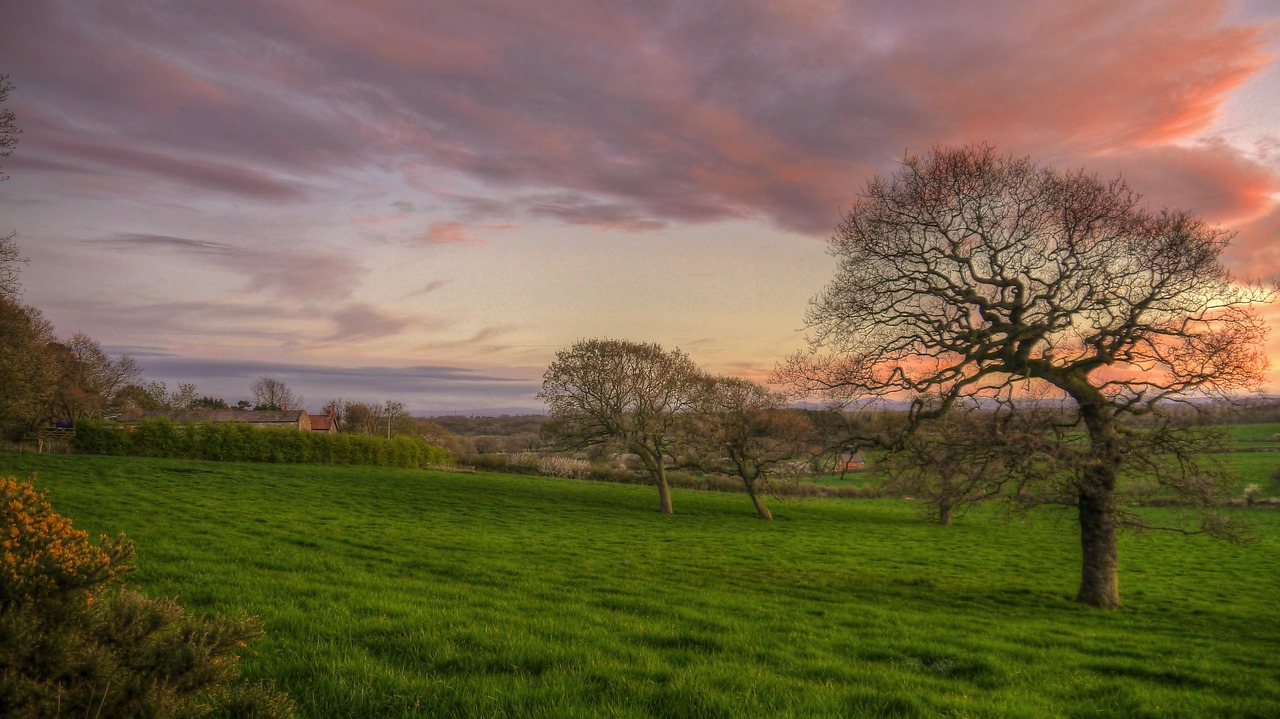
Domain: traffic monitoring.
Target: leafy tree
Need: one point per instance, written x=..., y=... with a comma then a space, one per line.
x=272, y=394
x=27, y=372
x=969, y=275
x=147, y=395
x=361, y=417
x=207, y=402
x=743, y=429
x=604, y=391
x=432, y=432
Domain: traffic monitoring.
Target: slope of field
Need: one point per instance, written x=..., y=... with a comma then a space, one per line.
x=395, y=593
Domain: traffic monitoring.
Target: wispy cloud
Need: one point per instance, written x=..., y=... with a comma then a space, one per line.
x=361, y=322
x=428, y=288
x=301, y=273
x=578, y=210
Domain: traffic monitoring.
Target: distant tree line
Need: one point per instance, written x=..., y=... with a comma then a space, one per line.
x=241, y=441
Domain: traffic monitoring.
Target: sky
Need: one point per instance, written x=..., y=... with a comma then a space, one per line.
x=423, y=201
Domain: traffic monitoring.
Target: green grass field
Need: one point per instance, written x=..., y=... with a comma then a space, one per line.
x=397, y=593
x=1261, y=432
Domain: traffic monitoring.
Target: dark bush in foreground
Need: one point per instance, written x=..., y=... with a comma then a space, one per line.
x=74, y=642
x=241, y=441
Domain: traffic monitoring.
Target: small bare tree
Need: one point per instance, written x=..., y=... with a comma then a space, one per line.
x=743, y=429
x=955, y=461
x=396, y=414
x=969, y=275
x=603, y=390
x=272, y=394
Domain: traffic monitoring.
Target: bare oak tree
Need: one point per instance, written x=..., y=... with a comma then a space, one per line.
x=966, y=274
x=604, y=391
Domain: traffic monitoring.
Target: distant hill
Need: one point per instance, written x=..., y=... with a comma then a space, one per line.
x=485, y=412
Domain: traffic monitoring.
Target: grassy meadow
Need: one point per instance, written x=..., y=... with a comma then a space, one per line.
x=410, y=593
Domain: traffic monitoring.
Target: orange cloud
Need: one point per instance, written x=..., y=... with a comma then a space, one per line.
x=1082, y=77
x=456, y=233
x=1212, y=179
x=1255, y=253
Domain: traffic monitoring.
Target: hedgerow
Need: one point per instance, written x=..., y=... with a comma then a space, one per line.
x=241, y=441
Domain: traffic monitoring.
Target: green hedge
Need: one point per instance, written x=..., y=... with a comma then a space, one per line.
x=241, y=441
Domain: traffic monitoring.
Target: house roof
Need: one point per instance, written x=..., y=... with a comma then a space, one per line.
x=291, y=416
x=321, y=422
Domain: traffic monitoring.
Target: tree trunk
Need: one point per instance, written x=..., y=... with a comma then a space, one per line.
x=652, y=460
x=1099, y=575
x=1099, y=571
x=664, y=492
x=762, y=509
x=944, y=515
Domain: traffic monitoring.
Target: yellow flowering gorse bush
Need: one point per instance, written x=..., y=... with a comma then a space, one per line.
x=126, y=655
x=45, y=556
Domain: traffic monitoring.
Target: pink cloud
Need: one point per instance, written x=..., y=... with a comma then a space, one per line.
x=1255, y=252
x=1212, y=179
x=776, y=110
x=1082, y=76
x=194, y=173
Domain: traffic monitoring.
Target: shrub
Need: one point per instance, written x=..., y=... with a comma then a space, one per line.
x=101, y=438
x=75, y=642
x=154, y=437
x=568, y=467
